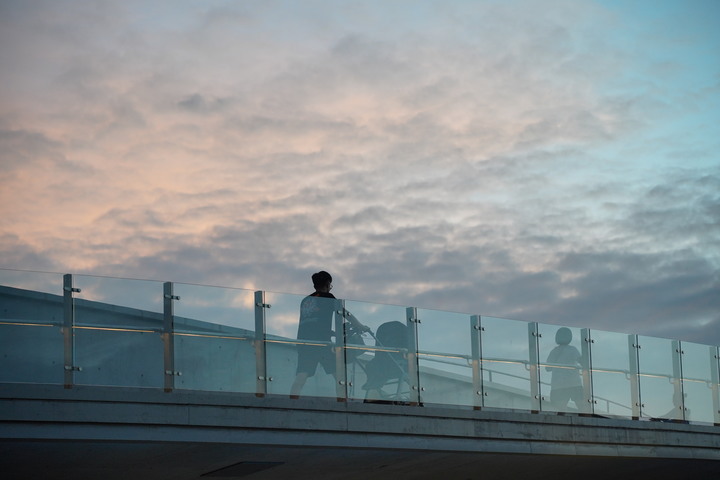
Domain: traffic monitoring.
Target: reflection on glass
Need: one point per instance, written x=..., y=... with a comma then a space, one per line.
x=660, y=390
x=506, y=363
x=561, y=368
x=611, y=376
x=444, y=352
x=697, y=383
x=214, y=338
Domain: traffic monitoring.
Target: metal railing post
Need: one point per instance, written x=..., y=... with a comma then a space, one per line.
x=412, y=355
x=168, y=336
x=586, y=355
x=677, y=381
x=341, y=387
x=715, y=376
x=69, y=330
x=476, y=349
x=634, y=356
x=260, y=334
x=533, y=363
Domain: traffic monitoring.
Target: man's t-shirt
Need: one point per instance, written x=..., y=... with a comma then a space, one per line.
x=316, y=315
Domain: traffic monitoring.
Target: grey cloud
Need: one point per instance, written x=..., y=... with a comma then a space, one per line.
x=197, y=103
x=684, y=209
x=287, y=123
x=633, y=299
x=275, y=255
x=140, y=218
x=18, y=254
x=367, y=217
x=22, y=148
x=287, y=239
x=370, y=62
x=573, y=126
x=385, y=70
x=638, y=293
x=124, y=116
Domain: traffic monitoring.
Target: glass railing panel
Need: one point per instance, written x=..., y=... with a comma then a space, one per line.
x=209, y=309
x=45, y=282
x=506, y=363
x=314, y=347
x=118, y=324
x=31, y=317
x=611, y=374
x=660, y=390
x=212, y=362
x=119, y=357
x=380, y=373
x=697, y=381
x=715, y=367
x=118, y=302
x=31, y=353
x=31, y=297
x=444, y=358
x=562, y=363
x=214, y=338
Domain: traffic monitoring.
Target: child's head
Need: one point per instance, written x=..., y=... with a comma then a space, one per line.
x=563, y=336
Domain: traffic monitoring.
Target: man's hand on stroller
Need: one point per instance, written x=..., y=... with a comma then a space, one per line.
x=357, y=325
x=360, y=327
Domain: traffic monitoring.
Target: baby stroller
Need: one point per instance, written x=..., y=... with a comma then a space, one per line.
x=388, y=366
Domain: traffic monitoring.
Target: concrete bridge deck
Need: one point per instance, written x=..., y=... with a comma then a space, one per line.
x=47, y=431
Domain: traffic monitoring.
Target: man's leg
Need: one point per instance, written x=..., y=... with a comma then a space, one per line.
x=298, y=384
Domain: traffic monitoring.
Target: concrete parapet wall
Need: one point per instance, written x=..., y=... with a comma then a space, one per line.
x=94, y=413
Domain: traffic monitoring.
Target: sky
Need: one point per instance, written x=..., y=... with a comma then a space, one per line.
x=550, y=161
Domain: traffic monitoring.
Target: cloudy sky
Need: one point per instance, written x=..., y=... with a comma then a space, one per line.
x=545, y=160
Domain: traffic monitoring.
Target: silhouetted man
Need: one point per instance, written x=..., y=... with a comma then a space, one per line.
x=316, y=323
